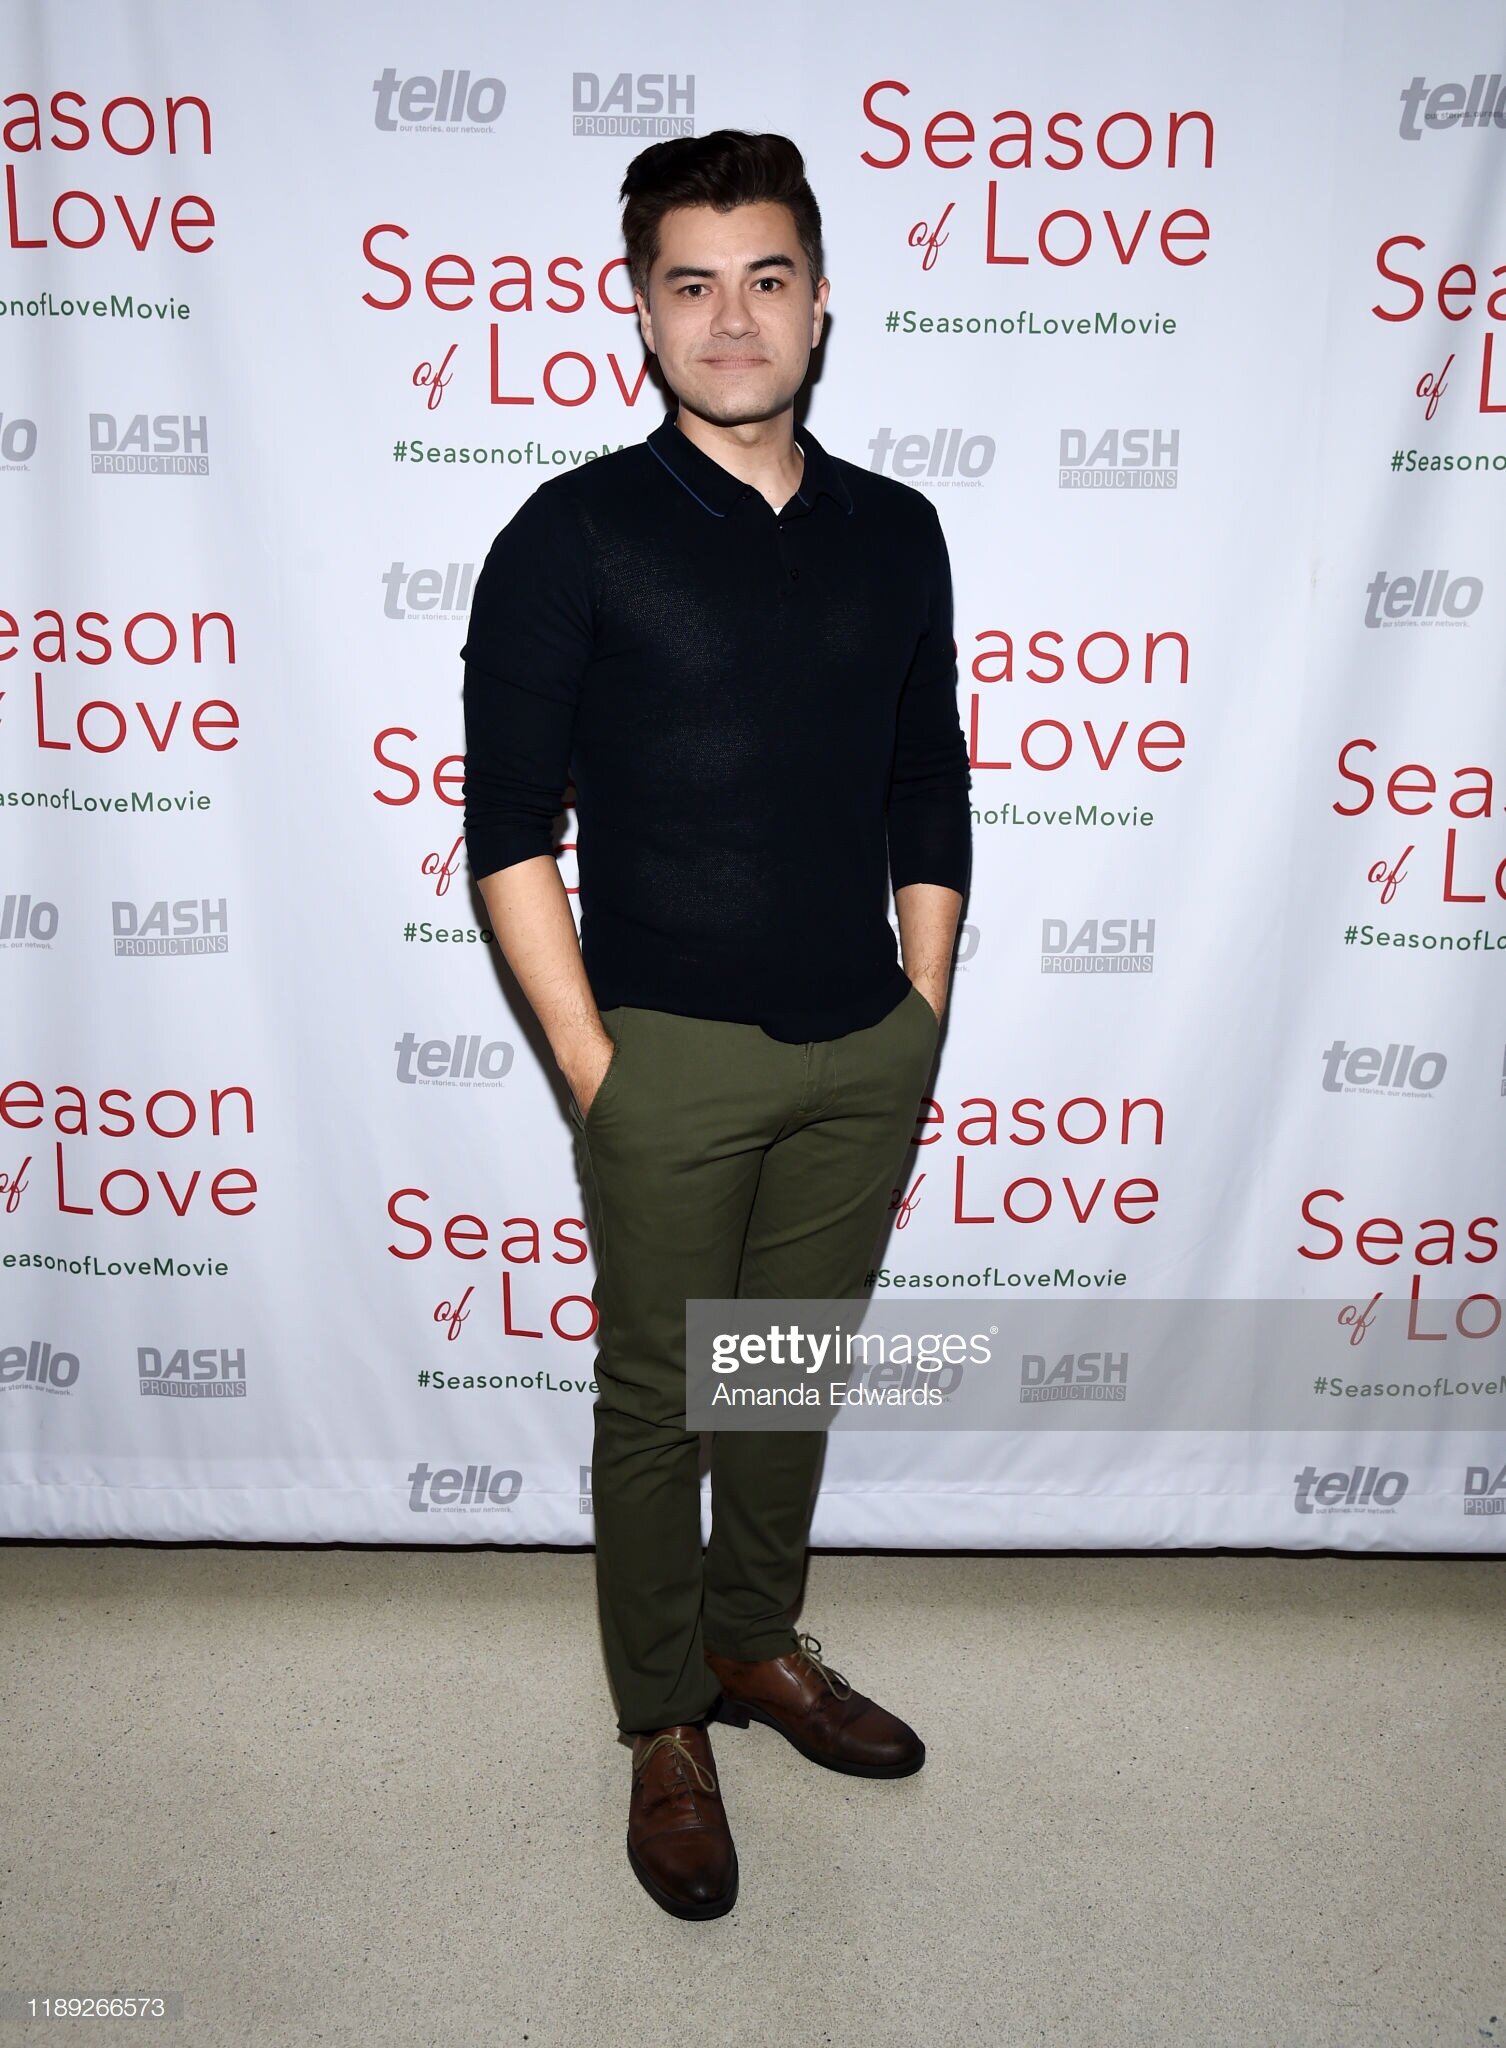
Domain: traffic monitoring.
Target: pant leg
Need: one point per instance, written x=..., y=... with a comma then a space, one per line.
x=670, y=1153
x=826, y=1188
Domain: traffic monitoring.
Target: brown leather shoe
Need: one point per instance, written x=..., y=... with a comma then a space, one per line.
x=816, y=1709
x=678, y=1840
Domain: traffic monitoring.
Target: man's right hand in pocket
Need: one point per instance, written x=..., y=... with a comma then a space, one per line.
x=585, y=1074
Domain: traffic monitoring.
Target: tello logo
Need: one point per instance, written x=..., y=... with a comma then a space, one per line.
x=1075, y=1376
x=209, y=1374
x=1367, y=1070
x=166, y=444
x=167, y=930
x=427, y=593
x=871, y=1378
x=1345, y=1493
x=453, y=1491
x=18, y=441
x=1436, y=597
x=452, y=1062
x=1110, y=945
x=35, y=1368
x=945, y=456
x=585, y=1490
x=633, y=103
x=1118, y=459
x=454, y=101
x=1482, y=104
x=1484, y=1494
x=27, y=921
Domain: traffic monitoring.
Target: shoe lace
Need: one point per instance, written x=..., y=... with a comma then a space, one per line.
x=666, y=1740
x=810, y=1651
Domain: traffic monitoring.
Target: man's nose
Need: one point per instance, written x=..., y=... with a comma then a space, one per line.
x=734, y=318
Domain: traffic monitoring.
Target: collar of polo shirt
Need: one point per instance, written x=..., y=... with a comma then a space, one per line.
x=717, y=490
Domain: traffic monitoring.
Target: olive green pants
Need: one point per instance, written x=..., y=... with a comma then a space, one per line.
x=718, y=1161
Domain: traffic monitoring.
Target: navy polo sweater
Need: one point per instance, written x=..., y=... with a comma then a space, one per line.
x=758, y=713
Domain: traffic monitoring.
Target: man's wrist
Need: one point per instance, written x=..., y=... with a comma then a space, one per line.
x=581, y=1046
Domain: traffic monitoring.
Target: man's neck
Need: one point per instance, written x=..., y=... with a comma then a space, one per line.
x=762, y=453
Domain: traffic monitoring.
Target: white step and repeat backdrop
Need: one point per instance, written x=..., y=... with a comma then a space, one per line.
x=1194, y=325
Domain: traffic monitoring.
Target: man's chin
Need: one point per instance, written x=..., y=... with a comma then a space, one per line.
x=735, y=409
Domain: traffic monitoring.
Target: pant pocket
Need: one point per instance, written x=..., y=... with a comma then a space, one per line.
x=612, y=1021
x=929, y=1014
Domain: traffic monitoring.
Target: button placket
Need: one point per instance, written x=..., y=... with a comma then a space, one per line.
x=790, y=572
x=787, y=573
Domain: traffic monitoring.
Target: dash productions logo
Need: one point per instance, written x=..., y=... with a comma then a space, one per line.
x=209, y=1374
x=947, y=455
x=1482, y=104
x=1364, y=1490
x=1121, y=459
x=27, y=921
x=1075, y=1376
x=643, y=103
x=1435, y=598
x=35, y=1368
x=160, y=931
x=585, y=1490
x=1484, y=1495
x=447, y=1490
x=166, y=444
x=1367, y=1070
x=453, y=104
x=1110, y=945
x=427, y=593
x=467, y=1060
x=18, y=441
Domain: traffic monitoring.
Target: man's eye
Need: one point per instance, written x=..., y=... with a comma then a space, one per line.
x=686, y=289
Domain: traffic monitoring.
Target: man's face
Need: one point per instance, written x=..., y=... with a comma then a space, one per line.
x=730, y=312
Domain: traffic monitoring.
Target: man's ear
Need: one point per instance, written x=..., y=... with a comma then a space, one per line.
x=645, y=321
x=822, y=293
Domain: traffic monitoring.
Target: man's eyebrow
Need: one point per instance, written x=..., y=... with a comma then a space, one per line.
x=678, y=270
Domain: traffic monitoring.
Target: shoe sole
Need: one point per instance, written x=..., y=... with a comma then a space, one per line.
x=681, y=1908
x=739, y=1715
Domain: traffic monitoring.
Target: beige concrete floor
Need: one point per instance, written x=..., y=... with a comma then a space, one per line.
x=372, y=1796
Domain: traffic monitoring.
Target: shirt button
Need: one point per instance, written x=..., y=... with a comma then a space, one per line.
x=794, y=575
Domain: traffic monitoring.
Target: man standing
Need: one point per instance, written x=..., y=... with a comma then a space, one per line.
x=739, y=648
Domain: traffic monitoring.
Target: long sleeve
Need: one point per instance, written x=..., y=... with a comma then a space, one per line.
x=527, y=648
x=930, y=817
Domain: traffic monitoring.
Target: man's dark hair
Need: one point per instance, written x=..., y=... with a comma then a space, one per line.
x=724, y=169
